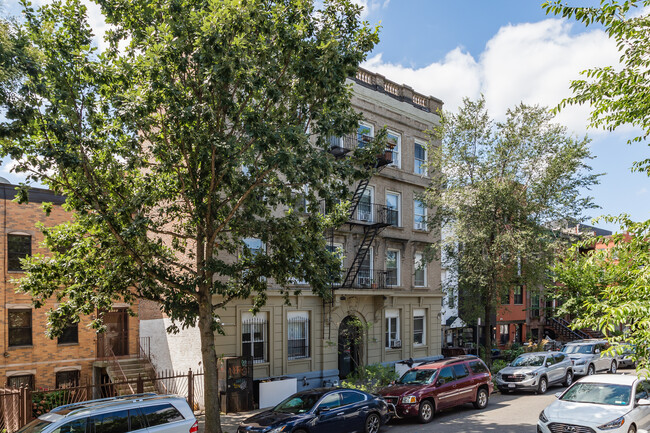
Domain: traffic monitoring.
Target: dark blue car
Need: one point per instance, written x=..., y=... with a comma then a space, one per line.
x=321, y=410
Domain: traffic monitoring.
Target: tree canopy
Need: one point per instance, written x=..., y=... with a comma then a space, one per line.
x=608, y=289
x=499, y=186
x=181, y=150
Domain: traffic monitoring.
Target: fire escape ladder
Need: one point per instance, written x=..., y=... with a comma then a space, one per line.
x=369, y=235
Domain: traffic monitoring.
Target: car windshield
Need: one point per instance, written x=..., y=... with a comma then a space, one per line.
x=574, y=348
x=599, y=393
x=36, y=426
x=417, y=377
x=297, y=403
x=529, y=361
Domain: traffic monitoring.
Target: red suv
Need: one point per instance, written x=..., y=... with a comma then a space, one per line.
x=438, y=385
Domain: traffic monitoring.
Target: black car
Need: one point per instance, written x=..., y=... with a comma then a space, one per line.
x=321, y=410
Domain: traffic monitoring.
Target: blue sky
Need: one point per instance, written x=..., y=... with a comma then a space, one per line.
x=508, y=50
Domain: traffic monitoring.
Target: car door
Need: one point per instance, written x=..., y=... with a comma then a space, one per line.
x=559, y=367
x=445, y=388
x=641, y=414
x=465, y=391
x=603, y=360
x=328, y=417
x=354, y=408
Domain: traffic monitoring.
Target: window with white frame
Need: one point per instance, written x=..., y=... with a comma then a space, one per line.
x=419, y=215
x=364, y=277
x=254, y=340
x=419, y=326
x=392, y=330
x=254, y=245
x=364, y=208
x=394, y=139
x=298, y=334
x=365, y=134
x=392, y=268
x=420, y=275
x=393, y=200
x=420, y=158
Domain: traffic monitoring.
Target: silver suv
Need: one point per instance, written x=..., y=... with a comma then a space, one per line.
x=589, y=357
x=535, y=371
x=145, y=413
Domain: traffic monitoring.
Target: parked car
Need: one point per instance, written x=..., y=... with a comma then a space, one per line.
x=321, y=410
x=535, y=371
x=142, y=412
x=624, y=353
x=589, y=357
x=427, y=388
x=603, y=402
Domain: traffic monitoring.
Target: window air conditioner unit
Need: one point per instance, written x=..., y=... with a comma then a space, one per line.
x=396, y=344
x=420, y=225
x=365, y=216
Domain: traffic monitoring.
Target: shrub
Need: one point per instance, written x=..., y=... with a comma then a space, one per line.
x=370, y=378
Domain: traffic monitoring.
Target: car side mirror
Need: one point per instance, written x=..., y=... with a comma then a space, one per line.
x=322, y=409
x=440, y=382
x=643, y=402
x=597, y=351
x=558, y=394
x=548, y=364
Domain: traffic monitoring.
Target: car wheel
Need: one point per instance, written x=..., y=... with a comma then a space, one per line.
x=591, y=370
x=481, y=398
x=425, y=415
x=568, y=379
x=543, y=386
x=373, y=423
x=612, y=368
x=632, y=429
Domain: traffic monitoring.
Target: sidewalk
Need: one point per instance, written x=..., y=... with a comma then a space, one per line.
x=229, y=422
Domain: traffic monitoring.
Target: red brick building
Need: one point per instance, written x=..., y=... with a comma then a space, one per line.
x=28, y=356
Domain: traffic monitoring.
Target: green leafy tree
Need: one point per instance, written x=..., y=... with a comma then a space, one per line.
x=608, y=288
x=193, y=132
x=498, y=187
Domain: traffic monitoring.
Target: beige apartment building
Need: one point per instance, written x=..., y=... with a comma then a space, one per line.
x=388, y=307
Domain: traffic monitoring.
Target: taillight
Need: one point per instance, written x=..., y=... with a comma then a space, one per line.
x=195, y=427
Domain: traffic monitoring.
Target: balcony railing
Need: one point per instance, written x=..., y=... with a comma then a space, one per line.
x=371, y=213
x=340, y=146
x=372, y=279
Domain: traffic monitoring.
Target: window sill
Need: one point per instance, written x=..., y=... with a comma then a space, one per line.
x=392, y=350
x=421, y=231
x=15, y=272
x=297, y=360
x=261, y=364
x=420, y=346
x=24, y=346
x=68, y=344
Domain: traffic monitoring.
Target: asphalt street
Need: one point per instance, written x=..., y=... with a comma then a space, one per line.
x=510, y=413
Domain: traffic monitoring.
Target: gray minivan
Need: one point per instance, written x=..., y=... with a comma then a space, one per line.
x=144, y=413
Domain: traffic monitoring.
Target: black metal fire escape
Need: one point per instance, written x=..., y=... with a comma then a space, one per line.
x=380, y=216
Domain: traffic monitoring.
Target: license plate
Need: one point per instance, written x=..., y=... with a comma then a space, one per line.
x=511, y=385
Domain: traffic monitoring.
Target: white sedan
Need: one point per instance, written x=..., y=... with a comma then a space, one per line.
x=612, y=403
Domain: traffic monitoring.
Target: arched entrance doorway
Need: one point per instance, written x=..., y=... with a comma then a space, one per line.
x=350, y=345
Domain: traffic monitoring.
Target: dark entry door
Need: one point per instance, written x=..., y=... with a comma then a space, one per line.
x=350, y=341
x=116, y=336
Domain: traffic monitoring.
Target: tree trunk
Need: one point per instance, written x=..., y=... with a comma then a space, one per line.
x=209, y=355
x=487, y=334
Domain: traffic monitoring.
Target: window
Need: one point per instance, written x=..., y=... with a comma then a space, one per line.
x=254, y=332
x=76, y=426
x=642, y=388
x=393, y=211
x=504, y=334
x=394, y=139
x=419, y=321
x=478, y=367
x=20, y=328
x=160, y=414
x=331, y=401
x=255, y=245
x=505, y=298
x=114, y=422
x=446, y=375
x=419, y=215
x=364, y=208
x=534, y=305
x=420, y=159
x=392, y=268
x=365, y=132
x=67, y=379
x=137, y=422
x=18, y=247
x=364, y=277
x=558, y=357
x=21, y=380
x=460, y=370
x=352, y=397
x=70, y=334
x=420, y=270
x=298, y=334
x=518, y=295
x=392, y=330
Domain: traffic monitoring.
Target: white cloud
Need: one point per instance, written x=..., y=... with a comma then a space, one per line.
x=532, y=63
x=642, y=191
